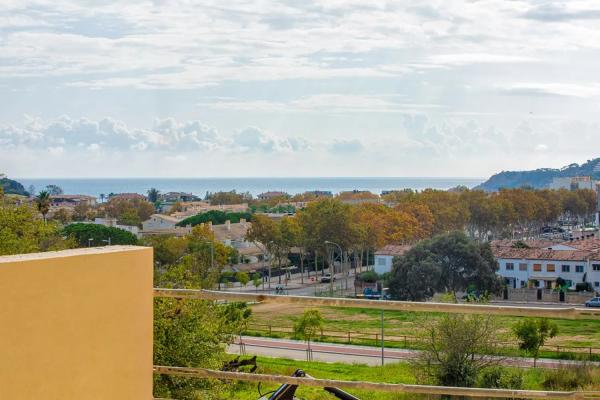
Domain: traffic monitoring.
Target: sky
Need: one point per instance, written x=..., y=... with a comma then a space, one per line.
x=185, y=88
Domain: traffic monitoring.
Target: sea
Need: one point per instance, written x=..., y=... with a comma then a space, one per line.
x=199, y=186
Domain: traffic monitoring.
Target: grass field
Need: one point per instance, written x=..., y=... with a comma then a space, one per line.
x=367, y=324
x=393, y=373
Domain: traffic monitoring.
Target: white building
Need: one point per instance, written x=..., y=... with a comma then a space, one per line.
x=541, y=266
x=112, y=222
x=159, y=221
x=385, y=256
x=573, y=183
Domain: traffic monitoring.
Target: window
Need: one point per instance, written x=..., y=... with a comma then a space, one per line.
x=596, y=284
x=579, y=268
x=566, y=268
x=537, y=267
x=523, y=283
x=596, y=267
x=550, y=268
x=381, y=261
x=523, y=267
x=510, y=266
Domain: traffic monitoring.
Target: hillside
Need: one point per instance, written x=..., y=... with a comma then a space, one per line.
x=12, y=187
x=540, y=178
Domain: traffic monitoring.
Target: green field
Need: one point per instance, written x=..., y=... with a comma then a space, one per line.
x=393, y=373
x=574, y=339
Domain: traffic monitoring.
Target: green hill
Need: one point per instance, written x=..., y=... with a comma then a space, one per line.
x=540, y=178
x=12, y=187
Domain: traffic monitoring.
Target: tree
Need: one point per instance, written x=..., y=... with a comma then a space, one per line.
x=153, y=195
x=256, y=281
x=533, y=333
x=62, y=216
x=308, y=325
x=54, y=190
x=43, y=203
x=242, y=278
x=457, y=348
x=216, y=217
x=130, y=217
x=100, y=235
x=102, y=197
x=263, y=233
x=22, y=232
x=445, y=263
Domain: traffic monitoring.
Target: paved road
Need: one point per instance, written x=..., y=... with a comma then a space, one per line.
x=330, y=352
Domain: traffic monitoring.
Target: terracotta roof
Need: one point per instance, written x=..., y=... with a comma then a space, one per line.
x=393, y=250
x=234, y=232
x=71, y=196
x=166, y=217
x=591, y=244
x=541, y=254
x=534, y=244
x=127, y=196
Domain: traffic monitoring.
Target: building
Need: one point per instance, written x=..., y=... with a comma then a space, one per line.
x=573, y=183
x=192, y=208
x=271, y=195
x=112, y=222
x=71, y=200
x=539, y=266
x=159, y=221
x=173, y=197
x=385, y=256
x=127, y=196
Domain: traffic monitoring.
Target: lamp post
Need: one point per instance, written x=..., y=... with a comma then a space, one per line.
x=90, y=240
x=332, y=263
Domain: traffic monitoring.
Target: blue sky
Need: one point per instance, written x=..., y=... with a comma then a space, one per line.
x=297, y=88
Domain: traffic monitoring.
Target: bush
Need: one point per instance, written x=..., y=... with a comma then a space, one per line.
x=568, y=377
x=216, y=217
x=368, y=276
x=99, y=234
x=583, y=287
x=501, y=378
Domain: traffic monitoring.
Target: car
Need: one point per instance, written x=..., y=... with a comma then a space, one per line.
x=327, y=278
x=593, y=302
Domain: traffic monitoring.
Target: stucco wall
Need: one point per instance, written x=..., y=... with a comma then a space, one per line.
x=77, y=324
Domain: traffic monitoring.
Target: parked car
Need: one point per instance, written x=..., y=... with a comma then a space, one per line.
x=593, y=302
x=327, y=278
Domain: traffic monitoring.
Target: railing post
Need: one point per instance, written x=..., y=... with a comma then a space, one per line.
x=558, y=351
x=590, y=353
x=270, y=332
x=349, y=341
x=376, y=339
x=405, y=344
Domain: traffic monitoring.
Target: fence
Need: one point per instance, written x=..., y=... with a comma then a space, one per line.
x=411, y=342
x=567, y=313
x=532, y=295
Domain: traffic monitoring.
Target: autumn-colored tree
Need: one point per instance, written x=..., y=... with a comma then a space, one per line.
x=263, y=233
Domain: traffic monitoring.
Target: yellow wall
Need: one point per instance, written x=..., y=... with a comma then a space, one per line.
x=76, y=324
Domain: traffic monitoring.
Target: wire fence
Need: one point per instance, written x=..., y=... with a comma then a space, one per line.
x=391, y=340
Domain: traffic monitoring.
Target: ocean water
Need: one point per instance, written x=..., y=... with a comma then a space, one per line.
x=199, y=186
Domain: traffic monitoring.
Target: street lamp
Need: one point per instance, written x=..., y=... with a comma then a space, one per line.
x=90, y=240
x=332, y=263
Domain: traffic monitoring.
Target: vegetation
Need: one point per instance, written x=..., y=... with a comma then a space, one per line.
x=22, y=231
x=127, y=211
x=309, y=325
x=54, y=190
x=231, y=197
x=533, y=334
x=42, y=202
x=10, y=186
x=99, y=235
x=538, y=178
x=445, y=263
x=216, y=217
x=153, y=195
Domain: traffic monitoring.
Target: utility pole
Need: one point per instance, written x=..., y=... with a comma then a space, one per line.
x=382, y=345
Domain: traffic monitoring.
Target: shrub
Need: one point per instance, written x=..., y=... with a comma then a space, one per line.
x=568, y=377
x=368, y=276
x=583, y=287
x=501, y=378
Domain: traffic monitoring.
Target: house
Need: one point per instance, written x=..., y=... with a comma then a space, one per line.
x=71, y=200
x=159, y=221
x=271, y=195
x=573, y=183
x=172, y=197
x=127, y=196
x=112, y=222
x=385, y=256
x=575, y=261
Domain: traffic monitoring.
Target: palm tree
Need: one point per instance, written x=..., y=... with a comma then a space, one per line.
x=43, y=203
x=153, y=195
x=102, y=197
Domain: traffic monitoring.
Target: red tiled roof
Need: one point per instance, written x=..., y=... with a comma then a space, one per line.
x=534, y=244
x=591, y=244
x=541, y=254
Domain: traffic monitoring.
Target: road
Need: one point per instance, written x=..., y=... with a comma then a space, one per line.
x=352, y=354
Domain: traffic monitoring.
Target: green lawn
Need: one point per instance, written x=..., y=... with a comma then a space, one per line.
x=393, y=373
x=365, y=326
